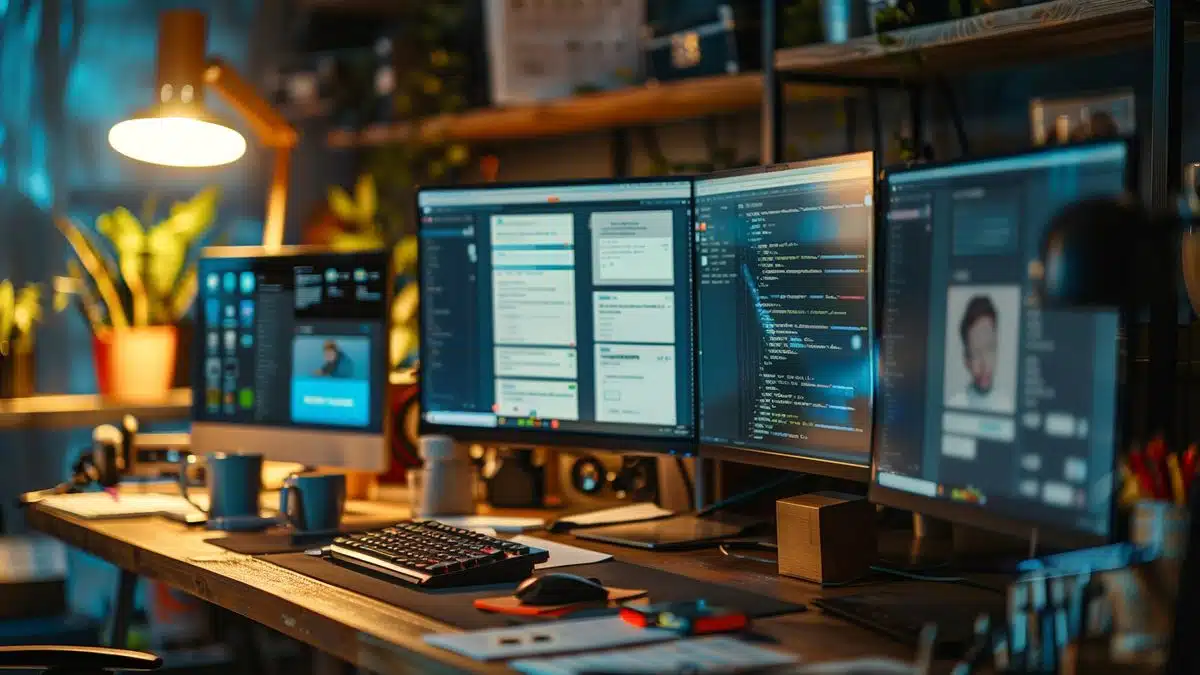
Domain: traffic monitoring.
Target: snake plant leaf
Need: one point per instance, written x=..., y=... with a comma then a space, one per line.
x=184, y=294
x=28, y=308
x=404, y=305
x=7, y=306
x=342, y=205
x=169, y=243
x=356, y=241
x=129, y=238
x=404, y=257
x=192, y=218
x=98, y=267
x=367, y=199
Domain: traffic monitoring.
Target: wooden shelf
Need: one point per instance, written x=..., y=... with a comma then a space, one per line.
x=63, y=411
x=994, y=40
x=634, y=106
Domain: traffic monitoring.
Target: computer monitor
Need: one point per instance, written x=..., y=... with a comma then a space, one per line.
x=992, y=411
x=558, y=313
x=784, y=304
x=290, y=356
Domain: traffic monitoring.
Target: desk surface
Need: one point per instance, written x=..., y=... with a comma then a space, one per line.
x=387, y=639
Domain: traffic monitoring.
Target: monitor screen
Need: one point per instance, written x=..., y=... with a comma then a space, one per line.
x=558, y=310
x=784, y=304
x=295, y=341
x=986, y=402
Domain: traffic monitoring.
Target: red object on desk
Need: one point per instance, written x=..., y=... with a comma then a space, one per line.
x=1187, y=466
x=1138, y=466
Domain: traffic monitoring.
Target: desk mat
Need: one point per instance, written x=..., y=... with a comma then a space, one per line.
x=453, y=605
x=281, y=540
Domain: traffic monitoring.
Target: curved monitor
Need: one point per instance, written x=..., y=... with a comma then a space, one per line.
x=558, y=313
x=784, y=287
x=290, y=358
x=993, y=411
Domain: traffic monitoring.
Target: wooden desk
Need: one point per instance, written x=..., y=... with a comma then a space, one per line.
x=387, y=639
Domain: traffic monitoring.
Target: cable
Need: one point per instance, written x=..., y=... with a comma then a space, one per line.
x=749, y=494
x=914, y=576
x=687, y=482
x=725, y=550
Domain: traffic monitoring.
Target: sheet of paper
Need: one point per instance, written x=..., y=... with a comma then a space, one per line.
x=620, y=514
x=497, y=523
x=103, y=505
x=547, y=638
x=561, y=555
x=696, y=655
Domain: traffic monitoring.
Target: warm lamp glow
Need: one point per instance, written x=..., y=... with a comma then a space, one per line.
x=177, y=141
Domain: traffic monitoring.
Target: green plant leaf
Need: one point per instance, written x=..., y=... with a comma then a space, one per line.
x=7, y=320
x=342, y=205
x=98, y=267
x=367, y=199
x=404, y=256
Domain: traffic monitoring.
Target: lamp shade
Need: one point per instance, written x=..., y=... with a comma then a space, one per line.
x=178, y=130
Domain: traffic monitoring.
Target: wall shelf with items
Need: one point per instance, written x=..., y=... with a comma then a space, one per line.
x=64, y=411
x=633, y=106
x=996, y=39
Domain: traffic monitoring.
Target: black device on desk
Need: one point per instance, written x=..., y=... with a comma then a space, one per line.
x=993, y=412
x=436, y=555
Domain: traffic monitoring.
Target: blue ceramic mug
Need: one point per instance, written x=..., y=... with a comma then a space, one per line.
x=234, y=487
x=313, y=503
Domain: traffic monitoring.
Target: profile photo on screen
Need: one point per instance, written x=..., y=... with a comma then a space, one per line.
x=982, y=330
x=331, y=380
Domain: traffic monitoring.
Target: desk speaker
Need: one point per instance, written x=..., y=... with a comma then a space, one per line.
x=826, y=537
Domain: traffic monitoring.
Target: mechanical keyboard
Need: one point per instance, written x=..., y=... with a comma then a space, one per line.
x=436, y=555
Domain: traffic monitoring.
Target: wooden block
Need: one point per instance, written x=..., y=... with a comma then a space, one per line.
x=826, y=537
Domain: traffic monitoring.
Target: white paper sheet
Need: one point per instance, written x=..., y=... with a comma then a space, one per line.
x=561, y=555
x=103, y=505
x=497, y=523
x=547, y=638
x=620, y=514
x=698, y=655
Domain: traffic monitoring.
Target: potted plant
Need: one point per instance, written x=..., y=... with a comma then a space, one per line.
x=134, y=285
x=20, y=311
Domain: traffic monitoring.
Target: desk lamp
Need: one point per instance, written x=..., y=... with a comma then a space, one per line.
x=178, y=130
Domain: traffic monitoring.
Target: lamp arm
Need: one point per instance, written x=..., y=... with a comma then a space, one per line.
x=271, y=129
x=269, y=126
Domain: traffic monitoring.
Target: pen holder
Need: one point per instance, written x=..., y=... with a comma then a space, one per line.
x=1142, y=597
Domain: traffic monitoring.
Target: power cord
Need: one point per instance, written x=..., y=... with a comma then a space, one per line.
x=748, y=494
x=688, y=485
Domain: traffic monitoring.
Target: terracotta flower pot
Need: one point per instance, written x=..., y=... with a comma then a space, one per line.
x=136, y=364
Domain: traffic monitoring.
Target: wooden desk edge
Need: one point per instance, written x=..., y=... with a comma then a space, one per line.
x=353, y=644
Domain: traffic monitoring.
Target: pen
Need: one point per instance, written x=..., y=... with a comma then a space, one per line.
x=1188, y=468
x=1077, y=600
x=978, y=650
x=1062, y=636
x=1156, y=454
x=1131, y=491
x=925, y=644
x=1176, y=475
x=1000, y=660
x=1018, y=631
x=1138, y=466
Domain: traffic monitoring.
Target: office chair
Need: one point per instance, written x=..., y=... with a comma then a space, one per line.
x=59, y=660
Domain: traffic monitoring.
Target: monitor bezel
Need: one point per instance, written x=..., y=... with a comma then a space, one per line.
x=968, y=514
x=681, y=445
x=358, y=449
x=769, y=457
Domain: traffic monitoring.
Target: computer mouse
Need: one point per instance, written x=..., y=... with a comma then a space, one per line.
x=560, y=589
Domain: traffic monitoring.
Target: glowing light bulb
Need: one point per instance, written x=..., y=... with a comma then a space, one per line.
x=177, y=141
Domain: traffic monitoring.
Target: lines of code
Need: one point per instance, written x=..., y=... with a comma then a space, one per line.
x=794, y=267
